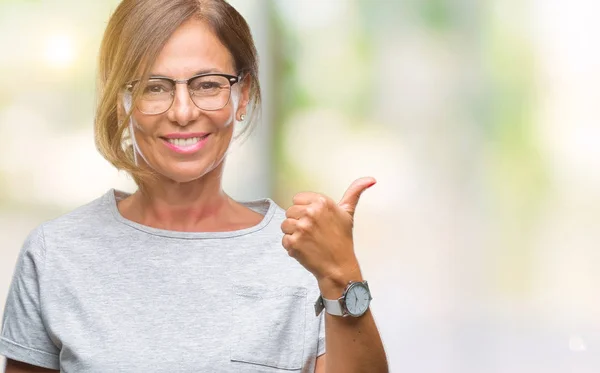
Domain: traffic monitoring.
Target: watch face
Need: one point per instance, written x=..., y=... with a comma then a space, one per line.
x=357, y=299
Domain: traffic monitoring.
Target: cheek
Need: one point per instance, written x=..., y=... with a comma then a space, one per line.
x=224, y=118
x=144, y=126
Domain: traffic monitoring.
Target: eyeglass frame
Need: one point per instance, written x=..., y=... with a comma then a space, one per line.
x=232, y=79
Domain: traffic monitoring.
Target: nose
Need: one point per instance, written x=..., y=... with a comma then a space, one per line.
x=183, y=111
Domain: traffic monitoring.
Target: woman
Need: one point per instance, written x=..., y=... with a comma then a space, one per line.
x=179, y=277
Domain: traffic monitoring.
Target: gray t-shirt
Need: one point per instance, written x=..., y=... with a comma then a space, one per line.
x=95, y=292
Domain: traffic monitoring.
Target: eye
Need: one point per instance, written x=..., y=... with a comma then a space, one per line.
x=212, y=84
x=205, y=85
x=157, y=87
x=209, y=85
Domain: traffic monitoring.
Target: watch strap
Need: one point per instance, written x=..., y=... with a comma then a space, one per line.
x=332, y=306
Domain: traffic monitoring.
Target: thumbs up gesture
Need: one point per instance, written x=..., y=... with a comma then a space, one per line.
x=318, y=233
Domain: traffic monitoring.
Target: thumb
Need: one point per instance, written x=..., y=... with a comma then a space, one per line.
x=350, y=198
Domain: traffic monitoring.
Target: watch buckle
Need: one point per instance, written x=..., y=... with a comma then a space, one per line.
x=319, y=306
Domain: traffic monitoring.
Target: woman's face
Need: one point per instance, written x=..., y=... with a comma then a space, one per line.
x=185, y=143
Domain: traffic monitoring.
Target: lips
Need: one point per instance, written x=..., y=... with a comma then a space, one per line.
x=185, y=143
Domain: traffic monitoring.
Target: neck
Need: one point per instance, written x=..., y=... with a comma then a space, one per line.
x=193, y=206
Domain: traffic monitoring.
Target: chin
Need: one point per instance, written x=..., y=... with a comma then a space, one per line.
x=186, y=174
x=182, y=179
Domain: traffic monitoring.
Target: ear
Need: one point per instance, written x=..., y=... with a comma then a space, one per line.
x=245, y=85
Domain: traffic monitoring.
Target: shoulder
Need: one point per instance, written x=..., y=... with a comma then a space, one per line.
x=81, y=222
x=98, y=208
x=59, y=230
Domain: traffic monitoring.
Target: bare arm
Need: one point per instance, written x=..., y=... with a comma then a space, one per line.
x=13, y=366
x=318, y=233
x=352, y=344
x=320, y=365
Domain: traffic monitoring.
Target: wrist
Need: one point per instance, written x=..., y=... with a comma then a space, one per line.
x=333, y=285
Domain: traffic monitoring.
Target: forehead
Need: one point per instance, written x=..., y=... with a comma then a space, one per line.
x=192, y=48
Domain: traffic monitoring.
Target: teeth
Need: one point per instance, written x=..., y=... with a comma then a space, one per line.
x=184, y=142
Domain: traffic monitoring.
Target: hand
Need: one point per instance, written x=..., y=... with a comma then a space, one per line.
x=318, y=233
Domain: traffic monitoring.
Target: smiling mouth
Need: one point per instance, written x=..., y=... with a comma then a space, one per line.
x=186, y=142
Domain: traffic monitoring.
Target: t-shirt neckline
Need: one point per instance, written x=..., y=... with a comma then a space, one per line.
x=265, y=207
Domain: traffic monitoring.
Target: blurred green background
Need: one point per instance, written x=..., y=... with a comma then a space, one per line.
x=479, y=119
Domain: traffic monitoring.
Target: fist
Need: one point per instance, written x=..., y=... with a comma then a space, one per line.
x=318, y=231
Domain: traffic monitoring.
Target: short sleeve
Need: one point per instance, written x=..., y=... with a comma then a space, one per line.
x=321, y=344
x=24, y=336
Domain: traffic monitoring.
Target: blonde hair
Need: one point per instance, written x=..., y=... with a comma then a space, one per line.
x=133, y=39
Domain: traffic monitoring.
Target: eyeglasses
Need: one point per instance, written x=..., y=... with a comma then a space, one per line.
x=208, y=92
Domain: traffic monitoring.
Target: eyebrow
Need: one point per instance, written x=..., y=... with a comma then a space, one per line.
x=199, y=72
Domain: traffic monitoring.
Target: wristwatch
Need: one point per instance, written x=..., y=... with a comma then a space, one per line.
x=354, y=301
